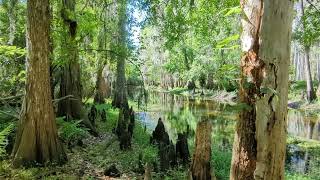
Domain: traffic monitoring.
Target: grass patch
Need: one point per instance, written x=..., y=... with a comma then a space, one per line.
x=221, y=160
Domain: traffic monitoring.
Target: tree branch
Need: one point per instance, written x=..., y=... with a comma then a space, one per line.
x=55, y=101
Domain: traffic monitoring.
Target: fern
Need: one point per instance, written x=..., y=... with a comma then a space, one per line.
x=3, y=138
x=71, y=131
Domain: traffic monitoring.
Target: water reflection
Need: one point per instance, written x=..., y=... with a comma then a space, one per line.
x=181, y=113
x=303, y=125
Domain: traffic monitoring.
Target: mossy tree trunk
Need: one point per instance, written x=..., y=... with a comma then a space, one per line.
x=70, y=79
x=37, y=139
x=70, y=83
x=260, y=137
x=120, y=94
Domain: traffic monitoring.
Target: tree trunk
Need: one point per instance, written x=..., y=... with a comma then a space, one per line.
x=260, y=137
x=70, y=82
x=201, y=167
x=120, y=95
x=37, y=139
x=310, y=90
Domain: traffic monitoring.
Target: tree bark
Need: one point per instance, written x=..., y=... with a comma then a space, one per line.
x=37, y=139
x=260, y=137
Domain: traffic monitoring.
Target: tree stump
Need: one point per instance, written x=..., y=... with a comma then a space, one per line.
x=201, y=167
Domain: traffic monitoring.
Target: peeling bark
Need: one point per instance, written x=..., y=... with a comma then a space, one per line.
x=260, y=138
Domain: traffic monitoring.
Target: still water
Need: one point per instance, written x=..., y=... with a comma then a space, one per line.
x=181, y=114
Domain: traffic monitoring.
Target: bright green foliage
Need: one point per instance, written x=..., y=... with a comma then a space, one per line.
x=191, y=41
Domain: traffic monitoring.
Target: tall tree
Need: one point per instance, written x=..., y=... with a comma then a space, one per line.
x=37, y=139
x=260, y=137
x=120, y=95
x=70, y=76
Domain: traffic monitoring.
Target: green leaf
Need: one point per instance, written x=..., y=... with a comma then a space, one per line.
x=227, y=41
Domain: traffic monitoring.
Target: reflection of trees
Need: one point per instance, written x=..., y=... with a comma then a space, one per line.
x=302, y=125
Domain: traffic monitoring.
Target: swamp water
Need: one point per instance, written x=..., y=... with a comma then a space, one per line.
x=180, y=114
